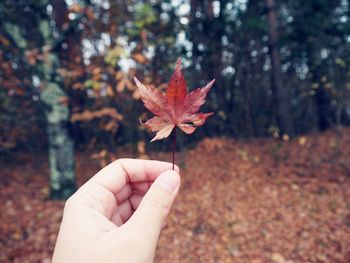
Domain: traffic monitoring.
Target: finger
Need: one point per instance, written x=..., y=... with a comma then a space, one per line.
x=117, y=174
x=141, y=187
x=135, y=200
x=125, y=210
x=117, y=219
x=155, y=205
x=123, y=194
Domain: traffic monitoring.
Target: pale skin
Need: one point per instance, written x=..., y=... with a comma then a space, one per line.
x=118, y=214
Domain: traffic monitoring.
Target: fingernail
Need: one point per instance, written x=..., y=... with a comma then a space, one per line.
x=169, y=180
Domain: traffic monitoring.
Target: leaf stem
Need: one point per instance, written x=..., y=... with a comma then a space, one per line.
x=174, y=146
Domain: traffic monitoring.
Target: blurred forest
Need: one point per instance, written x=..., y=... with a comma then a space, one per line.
x=268, y=180
x=282, y=67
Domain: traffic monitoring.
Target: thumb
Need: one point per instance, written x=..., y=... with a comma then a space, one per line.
x=156, y=204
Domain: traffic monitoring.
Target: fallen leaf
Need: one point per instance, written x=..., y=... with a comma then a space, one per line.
x=278, y=258
x=177, y=108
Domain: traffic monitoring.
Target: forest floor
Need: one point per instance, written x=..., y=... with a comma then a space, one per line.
x=256, y=201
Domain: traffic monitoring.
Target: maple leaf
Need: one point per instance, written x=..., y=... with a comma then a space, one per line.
x=175, y=108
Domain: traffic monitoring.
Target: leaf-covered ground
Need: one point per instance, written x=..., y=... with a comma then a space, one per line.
x=255, y=201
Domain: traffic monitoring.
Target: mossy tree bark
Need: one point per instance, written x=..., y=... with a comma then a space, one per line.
x=52, y=94
x=61, y=150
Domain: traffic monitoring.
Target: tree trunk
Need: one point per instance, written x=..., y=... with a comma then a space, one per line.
x=194, y=29
x=53, y=96
x=54, y=99
x=325, y=112
x=280, y=94
x=61, y=153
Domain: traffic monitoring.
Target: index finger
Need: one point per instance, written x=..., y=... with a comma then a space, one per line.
x=116, y=175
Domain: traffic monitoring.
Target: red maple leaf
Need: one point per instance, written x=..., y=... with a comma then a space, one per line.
x=177, y=108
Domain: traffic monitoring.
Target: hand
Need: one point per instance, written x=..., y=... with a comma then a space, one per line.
x=118, y=214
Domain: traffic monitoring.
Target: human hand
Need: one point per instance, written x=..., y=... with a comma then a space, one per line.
x=118, y=214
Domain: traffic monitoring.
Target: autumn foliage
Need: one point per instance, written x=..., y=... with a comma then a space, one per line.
x=254, y=201
x=177, y=108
